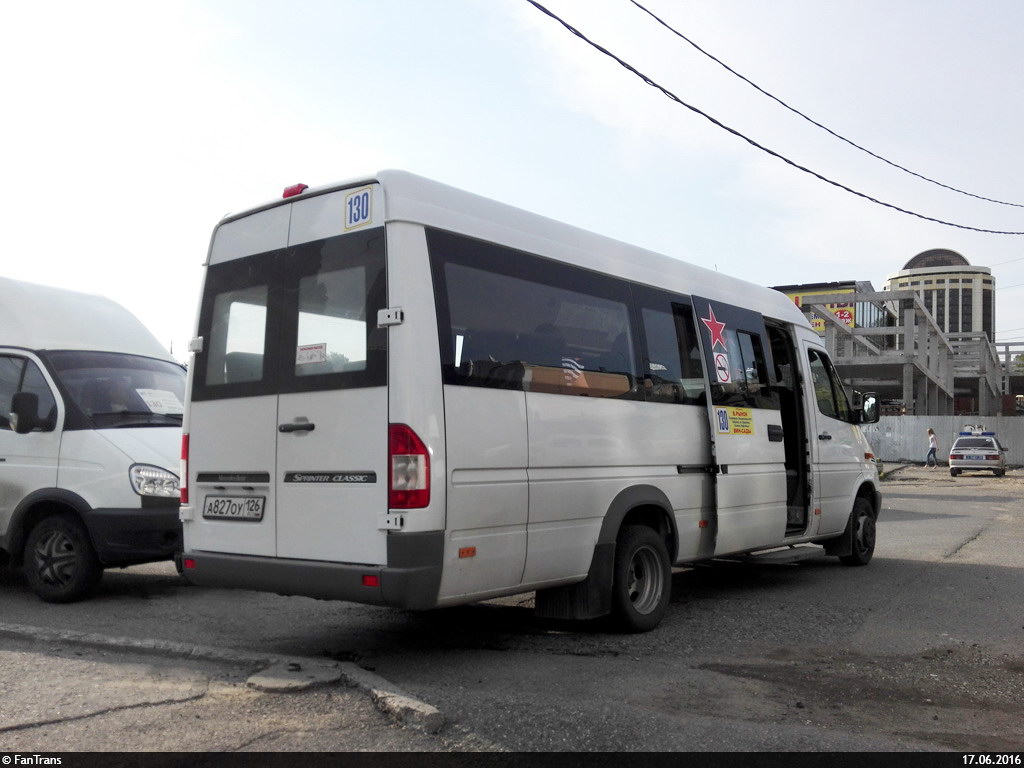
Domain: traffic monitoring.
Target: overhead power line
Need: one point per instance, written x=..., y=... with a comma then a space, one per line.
x=812, y=121
x=1008, y=261
x=750, y=141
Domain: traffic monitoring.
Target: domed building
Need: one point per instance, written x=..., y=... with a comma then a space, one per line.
x=960, y=297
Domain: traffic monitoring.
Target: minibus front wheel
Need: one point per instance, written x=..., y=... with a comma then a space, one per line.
x=642, y=582
x=60, y=564
x=862, y=534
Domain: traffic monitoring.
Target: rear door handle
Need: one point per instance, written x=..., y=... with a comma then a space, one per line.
x=824, y=436
x=303, y=426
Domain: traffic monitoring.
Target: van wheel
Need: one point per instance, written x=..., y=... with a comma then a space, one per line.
x=642, y=579
x=60, y=563
x=862, y=532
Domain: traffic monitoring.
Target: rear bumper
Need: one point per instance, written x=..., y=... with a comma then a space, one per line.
x=411, y=579
x=130, y=536
x=975, y=465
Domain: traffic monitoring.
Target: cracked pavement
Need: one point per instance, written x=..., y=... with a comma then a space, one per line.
x=62, y=697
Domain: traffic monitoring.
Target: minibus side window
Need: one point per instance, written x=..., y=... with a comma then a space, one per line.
x=514, y=333
x=748, y=382
x=828, y=389
x=509, y=320
x=20, y=375
x=10, y=377
x=237, y=336
x=673, y=371
x=34, y=382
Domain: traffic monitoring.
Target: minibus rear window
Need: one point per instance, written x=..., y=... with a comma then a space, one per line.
x=237, y=334
x=332, y=322
x=299, y=319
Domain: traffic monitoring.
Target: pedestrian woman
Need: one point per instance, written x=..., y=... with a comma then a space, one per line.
x=933, y=446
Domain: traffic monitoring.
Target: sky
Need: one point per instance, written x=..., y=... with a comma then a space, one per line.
x=131, y=128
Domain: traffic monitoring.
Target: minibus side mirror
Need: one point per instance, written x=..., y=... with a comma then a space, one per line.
x=869, y=408
x=24, y=407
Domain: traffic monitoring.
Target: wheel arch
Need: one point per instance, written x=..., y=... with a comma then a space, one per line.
x=873, y=496
x=641, y=505
x=592, y=597
x=36, y=506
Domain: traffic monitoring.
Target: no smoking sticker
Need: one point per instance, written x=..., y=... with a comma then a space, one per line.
x=722, y=370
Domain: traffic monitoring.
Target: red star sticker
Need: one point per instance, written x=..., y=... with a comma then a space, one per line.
x=715, y=328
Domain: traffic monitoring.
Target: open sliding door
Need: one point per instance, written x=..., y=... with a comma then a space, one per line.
x=746, y=427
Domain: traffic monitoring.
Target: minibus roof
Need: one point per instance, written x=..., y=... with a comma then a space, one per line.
x=40, y=317
x=415, y=199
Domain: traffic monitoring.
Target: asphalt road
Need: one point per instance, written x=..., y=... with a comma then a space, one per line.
x=921, y=650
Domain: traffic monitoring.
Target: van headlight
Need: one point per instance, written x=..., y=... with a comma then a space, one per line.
x=148, y=480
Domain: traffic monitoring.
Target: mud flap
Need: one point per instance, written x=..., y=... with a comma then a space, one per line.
x=587, y=599
x=842, y=545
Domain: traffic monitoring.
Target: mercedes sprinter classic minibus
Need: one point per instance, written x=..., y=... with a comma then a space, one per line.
x=408, y=395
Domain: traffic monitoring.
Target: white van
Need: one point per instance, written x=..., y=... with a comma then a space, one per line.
x=408, y=395
x=90, y=430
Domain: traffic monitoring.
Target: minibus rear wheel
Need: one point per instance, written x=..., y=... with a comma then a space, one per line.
x=59, y=563
x=642, y=581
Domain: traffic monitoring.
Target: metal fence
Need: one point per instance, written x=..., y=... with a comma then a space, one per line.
x=905, y=438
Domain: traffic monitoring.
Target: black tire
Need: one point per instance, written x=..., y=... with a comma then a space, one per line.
x=60, y=564
x=954, y=472
x=998, y=472
x=862, y=534
x=642, y=582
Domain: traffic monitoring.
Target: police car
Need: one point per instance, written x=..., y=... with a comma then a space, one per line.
x=976, y=449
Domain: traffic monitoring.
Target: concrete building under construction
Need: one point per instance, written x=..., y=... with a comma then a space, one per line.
x=924, y=344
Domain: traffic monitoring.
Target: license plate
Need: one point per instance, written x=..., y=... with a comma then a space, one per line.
x=234, y=507
x=975, y=458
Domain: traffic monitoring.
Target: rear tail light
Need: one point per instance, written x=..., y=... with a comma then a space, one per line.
x=991, y=457
x=408, y=469
x=184, y=469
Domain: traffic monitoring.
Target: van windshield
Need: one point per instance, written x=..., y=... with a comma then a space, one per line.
x=117, y=390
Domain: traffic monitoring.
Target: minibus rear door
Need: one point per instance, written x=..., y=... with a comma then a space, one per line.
x=332, y=431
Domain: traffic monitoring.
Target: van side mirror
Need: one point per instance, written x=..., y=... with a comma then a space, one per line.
x=869, y=411
x=24, y=407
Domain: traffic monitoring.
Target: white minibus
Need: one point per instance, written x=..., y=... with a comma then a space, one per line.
x=90, y=428
x=404, y=394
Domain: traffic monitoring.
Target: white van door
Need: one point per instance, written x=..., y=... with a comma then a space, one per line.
x=289, y=417
x=746, y=427
x=836, y=453
x=28, y=462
